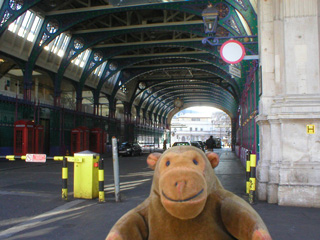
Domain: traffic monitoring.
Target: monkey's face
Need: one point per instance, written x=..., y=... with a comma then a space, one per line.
x=182, y=183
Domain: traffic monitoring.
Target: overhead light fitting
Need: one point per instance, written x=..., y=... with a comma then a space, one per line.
x=210, y=16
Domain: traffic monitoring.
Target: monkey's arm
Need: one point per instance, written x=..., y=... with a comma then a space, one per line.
x=241, y=220
x=130, y=226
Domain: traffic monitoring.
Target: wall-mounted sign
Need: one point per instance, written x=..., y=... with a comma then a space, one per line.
x=311, y=129
x=234, y=71
x=232, y=51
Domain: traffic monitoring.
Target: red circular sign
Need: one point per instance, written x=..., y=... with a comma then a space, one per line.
x=232, y=51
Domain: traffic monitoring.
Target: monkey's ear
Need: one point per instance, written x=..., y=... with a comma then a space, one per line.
x=213, y=159
x=152, y=159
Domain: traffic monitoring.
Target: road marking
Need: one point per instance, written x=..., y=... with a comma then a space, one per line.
x=25, y=194
x=38, y=219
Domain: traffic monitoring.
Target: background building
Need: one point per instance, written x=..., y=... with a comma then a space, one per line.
x=198, y=124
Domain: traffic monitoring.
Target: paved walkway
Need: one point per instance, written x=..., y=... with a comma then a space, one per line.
x=31, y=205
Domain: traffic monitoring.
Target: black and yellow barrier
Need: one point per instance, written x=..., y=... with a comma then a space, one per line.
x=24, y=157
x=101, y=180
x=65, y=179
x=89, y=169
x=253, y=164
x=248, y=172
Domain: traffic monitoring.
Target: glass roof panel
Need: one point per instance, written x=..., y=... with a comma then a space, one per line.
x=254, y=4
x=244, y=23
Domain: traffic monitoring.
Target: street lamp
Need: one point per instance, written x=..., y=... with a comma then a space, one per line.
x=210, y=17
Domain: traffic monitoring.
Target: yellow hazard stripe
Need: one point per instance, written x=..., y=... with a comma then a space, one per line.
x=64, y=194
x=101, y=175
x=10, y=157
x=248, y=185
x=64, y=173
x=248, y=166
x=253, y=160
x=252, y=184
x=101, y=196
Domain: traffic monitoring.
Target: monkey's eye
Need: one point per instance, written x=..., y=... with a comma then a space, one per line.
x=167, y=163
x=195, y=162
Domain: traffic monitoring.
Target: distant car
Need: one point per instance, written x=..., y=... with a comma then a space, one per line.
x=181, y=144
x=203, y=146
x=196, y=144
x=217, y=142
x=129, y=149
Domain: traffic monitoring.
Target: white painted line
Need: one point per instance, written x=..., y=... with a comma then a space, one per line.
x=38, y=219
x=25, y=194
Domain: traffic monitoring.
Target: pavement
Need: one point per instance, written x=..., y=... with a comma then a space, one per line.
x=31, y=206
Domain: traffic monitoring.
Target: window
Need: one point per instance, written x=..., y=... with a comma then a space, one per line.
x=26, y=26
x=191, y=129
x=98, y=71
x=58, y=45
x=195, y=119
x=82, y=58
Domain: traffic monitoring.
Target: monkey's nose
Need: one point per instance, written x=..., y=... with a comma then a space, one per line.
x=180, y=185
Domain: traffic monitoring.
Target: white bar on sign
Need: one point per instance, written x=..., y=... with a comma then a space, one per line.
x=251, y=57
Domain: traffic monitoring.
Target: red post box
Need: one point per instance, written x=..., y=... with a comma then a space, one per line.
x=38, y=138
x=86, y=136
x=96, y=140
x=23, y=137
x=76, y=140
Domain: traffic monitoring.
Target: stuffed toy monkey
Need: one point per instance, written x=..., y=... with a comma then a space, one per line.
x=187, y=201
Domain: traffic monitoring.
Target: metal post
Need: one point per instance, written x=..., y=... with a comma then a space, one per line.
x=248, y=172
x=101, y=181
x=116, y=168
x=65, y=179
x=253, y=163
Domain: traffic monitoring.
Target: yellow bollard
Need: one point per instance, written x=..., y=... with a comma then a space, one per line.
x=101, y=181
x=248, y=172
x=253, y=164
x=65, y=179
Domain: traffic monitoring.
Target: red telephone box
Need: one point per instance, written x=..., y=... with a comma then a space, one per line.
x=23, y=137
x=96, y=140
x=76, y=140
x=38, y=138
x=86, y=136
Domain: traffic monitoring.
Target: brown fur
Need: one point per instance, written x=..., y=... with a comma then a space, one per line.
x=188, y=202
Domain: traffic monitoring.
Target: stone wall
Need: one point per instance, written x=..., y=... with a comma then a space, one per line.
x=288, y=172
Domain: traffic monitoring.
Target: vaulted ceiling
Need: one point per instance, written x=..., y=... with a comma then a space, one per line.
x=153, y=49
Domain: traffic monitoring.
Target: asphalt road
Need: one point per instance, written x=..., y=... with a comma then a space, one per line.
x=31, y=206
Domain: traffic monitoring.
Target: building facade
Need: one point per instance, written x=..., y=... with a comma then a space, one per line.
x=192, y=125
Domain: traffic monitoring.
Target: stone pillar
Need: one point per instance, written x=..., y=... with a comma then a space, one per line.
x=275, y=154
x=264, y=162
x=287, y=172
